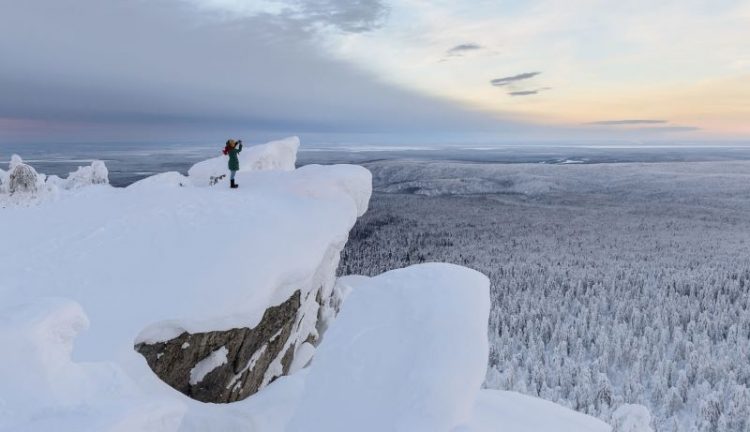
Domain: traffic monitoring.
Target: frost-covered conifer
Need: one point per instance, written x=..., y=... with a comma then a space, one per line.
x=22, y=179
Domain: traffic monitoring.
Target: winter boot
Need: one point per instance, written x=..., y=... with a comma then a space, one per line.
x=232, y=184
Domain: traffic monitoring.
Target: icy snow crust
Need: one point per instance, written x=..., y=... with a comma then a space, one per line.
x=98, y=269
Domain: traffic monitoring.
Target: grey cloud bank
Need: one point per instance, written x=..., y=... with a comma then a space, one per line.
x=171, y=67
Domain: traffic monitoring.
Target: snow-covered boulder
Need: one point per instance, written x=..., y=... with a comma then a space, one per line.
x=407, y=352
x=275, y=155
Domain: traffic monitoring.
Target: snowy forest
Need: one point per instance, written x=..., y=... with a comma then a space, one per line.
x=610, y=283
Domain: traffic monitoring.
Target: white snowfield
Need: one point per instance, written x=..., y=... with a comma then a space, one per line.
x=89, y=273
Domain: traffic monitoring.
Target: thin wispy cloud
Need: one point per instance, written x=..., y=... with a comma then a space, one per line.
x=644, y=125
x=669, y=129
x=461, y=49
x=527, y=92
x=627, y=122
x=500, y=82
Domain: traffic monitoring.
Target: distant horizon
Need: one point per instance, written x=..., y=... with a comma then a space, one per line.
x=130, y=162
x=336, y=141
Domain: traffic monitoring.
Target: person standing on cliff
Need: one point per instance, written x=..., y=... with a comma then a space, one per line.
x=232, y=149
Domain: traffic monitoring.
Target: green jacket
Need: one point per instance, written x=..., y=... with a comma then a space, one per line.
x=234, y=162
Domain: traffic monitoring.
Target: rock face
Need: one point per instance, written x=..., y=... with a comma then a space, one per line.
x=254, y=357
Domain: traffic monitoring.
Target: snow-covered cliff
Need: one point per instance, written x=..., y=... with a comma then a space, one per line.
x=223, y=292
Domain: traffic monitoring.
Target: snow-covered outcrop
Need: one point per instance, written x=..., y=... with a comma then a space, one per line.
x=165, y=262
x=225, y=293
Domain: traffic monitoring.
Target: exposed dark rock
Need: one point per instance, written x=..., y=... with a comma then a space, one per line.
x=250, y=355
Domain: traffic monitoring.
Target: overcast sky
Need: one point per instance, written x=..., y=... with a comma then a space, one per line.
x=87, y=70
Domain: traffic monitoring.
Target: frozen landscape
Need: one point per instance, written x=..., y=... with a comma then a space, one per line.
x=611, y=284
x=487, y=216
x=231, y=296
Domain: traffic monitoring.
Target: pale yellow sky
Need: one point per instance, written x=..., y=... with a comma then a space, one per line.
x=685, y=62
